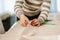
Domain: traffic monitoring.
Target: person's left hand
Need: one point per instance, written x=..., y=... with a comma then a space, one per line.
x=35, y=22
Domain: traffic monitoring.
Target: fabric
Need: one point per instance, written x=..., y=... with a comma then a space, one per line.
x=1, y=27
x=32, y=17
x=33, y=7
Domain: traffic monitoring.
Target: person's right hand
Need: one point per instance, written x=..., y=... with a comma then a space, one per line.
x=24, y=20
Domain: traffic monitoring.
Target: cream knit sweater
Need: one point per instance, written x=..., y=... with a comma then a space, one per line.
x=33, y=7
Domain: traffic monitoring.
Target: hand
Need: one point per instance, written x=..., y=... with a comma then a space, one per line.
x=24, y=20
x=35, y=22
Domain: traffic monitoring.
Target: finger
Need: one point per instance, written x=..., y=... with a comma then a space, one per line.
x=23, y=24
x=32, y=22
x=35, y=20
x=26, y=22
x=36, y=24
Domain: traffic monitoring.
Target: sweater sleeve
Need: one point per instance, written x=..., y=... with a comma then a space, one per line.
x=18, y=8
x=45, y=9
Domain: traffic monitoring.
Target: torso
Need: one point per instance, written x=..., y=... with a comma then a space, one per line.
x=32, y=6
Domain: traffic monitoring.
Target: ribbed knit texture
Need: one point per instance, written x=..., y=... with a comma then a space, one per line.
x=33, y=7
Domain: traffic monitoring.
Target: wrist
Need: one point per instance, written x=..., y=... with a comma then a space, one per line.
x=21, y=15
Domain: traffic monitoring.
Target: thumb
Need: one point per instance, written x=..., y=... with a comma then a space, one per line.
x=27, y=20
x=30, y=22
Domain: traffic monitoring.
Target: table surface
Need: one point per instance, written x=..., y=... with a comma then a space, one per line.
x=48, y=29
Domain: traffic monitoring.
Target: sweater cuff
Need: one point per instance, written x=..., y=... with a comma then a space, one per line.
x=41, y=20
x=19, y=13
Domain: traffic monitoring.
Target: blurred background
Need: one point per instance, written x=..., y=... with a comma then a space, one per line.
x=8, y=17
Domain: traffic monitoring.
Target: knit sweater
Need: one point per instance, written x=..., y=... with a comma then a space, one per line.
x=33, y=7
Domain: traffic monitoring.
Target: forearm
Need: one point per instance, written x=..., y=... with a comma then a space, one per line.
x=45, y=9
x=18, y=8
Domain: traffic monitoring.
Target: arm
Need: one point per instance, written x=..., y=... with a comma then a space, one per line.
x=45, y=9
x=18, y=8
